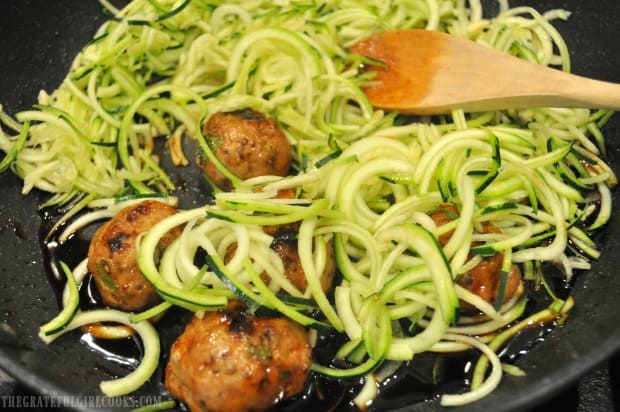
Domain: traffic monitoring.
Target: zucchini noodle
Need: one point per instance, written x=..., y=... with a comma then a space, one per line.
x=367, y=181
x=150, y=341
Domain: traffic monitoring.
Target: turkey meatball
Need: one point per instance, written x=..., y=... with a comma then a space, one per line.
x=112, y=257
x=484, y=279
x=247, y=143
x=231, y=360
x=285, y=245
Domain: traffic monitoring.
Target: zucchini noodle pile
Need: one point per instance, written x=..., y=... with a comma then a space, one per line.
x=366, y=180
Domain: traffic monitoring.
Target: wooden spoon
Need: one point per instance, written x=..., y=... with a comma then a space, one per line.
x=429, y=72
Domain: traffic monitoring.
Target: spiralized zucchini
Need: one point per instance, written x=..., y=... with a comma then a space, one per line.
x=367, y=180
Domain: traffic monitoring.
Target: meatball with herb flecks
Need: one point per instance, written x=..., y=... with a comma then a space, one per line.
x=485, y=279
x=247, y=143
x=231, y=360
x=286, y=246
x=112, y=256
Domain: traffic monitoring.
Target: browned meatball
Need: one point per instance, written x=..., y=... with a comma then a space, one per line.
x=484, y=279
x=112, y=256
x=285, y=245
x=247, y=143
x=444, y=214
x=233, y=361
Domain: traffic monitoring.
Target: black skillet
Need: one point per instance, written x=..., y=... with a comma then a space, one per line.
x=37, y=41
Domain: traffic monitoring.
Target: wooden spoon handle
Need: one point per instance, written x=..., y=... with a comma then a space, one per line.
x=535, y=86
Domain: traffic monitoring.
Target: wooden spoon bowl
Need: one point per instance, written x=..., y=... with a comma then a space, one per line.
x=427, y=72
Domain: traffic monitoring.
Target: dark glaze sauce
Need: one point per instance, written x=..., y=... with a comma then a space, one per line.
x=421, y=380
